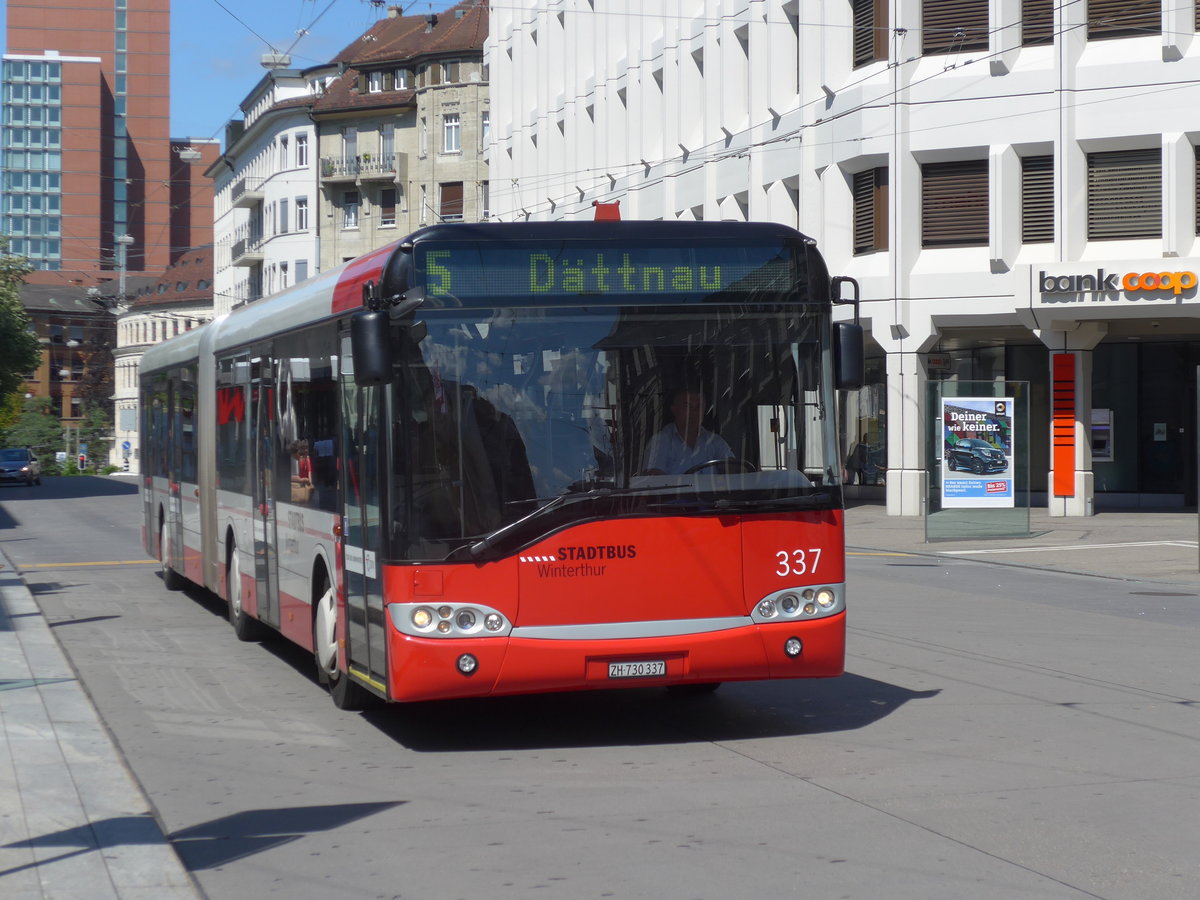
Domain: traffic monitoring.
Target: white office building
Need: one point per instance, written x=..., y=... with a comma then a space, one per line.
x=1013, y=183
x=264, y=192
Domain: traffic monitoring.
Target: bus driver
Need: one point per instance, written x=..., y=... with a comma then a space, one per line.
x=684, y=443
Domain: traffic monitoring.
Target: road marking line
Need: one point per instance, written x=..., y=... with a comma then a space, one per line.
x=1192, y=545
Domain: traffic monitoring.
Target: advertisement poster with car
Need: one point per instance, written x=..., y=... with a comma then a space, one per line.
x=977, y=452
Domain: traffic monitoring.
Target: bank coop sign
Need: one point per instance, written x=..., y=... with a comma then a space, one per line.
x=1130, y=282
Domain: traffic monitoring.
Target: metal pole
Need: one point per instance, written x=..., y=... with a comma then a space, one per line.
x=123, y=242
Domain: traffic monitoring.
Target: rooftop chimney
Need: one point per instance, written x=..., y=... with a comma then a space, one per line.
x=430, y=22
x=394, y=11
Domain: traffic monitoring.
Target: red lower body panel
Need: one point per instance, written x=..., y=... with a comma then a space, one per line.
x=425, y=668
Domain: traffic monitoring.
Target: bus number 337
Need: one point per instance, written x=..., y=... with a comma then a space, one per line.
x=798, y=562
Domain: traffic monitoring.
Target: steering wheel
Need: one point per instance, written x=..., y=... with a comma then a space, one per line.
x=728, y=466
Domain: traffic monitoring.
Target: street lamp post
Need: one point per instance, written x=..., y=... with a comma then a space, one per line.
x=123, y=243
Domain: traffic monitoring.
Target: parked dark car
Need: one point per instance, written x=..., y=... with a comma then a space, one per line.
x=975, y=455
x=20, y=466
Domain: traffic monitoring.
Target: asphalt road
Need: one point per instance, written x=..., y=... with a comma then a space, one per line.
x=1001, y=733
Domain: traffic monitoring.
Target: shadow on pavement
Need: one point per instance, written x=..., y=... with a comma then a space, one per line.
x=207, y=845
x=743, y=711
x=71, y=487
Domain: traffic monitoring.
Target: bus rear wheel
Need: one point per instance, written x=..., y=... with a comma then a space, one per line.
x=172, y=580
x=345, y=693
x=246, y=628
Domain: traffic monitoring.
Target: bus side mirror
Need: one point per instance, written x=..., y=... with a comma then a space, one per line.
x=849, y=357
x=370, y=342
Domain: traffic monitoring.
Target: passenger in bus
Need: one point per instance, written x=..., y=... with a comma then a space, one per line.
x=302, y=486
x=684, y=443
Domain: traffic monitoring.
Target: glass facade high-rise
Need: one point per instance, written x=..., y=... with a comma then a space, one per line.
x=31, y=174
x=88, y=157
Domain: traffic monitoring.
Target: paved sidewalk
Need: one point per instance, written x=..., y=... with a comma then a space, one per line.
x=74, y=824
x=1157, y=546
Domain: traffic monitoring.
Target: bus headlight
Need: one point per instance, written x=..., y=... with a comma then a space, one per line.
x=448, y=620
x=799, y=603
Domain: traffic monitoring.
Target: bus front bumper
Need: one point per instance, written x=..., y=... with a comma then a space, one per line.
x=434, y=668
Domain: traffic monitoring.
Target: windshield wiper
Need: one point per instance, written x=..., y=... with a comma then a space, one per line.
x=562, y=501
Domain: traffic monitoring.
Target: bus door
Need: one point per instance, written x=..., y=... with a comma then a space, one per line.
x=362, y=489
x=173, y=527
x=262, y=432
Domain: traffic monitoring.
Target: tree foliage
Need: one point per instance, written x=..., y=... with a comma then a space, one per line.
x=96, y=431
x=39, y=429
x=19, y=348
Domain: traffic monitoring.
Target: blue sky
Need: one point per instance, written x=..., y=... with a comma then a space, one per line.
x=216, y=45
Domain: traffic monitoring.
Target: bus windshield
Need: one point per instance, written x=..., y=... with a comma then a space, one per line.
x=510, y=423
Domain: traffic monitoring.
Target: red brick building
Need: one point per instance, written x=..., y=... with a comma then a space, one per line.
x=89, y=155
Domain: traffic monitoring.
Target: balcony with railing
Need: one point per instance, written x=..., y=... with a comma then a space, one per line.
x=365, y=167
x=247, y=246
x=244, y=196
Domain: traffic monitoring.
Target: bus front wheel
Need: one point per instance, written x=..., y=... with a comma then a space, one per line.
x=345, y=693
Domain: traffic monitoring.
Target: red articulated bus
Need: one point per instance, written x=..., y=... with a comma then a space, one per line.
x=515, y=458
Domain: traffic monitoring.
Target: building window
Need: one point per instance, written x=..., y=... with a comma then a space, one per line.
x=951, y=26
x=284, y=161
x=870, y=211
x=350, y=209
x=450, y=72
x=451, y=133
x=375, y=82
x=485, y=197
x=1037, y=22
x=1124, y=195
x=1037, y=199
x=283, y=216
x=387, y=207
x=870, y=31
x=954, y=203
x=423, y=137
x=1196, y=151
x=402, y=79
x=485, y=127
x=387, y=144
x=349, y=143
x=302, y=214
x=301, y=150
x=1123, y=18
x=452, y=201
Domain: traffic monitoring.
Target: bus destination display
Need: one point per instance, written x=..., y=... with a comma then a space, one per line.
x=571, y=271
